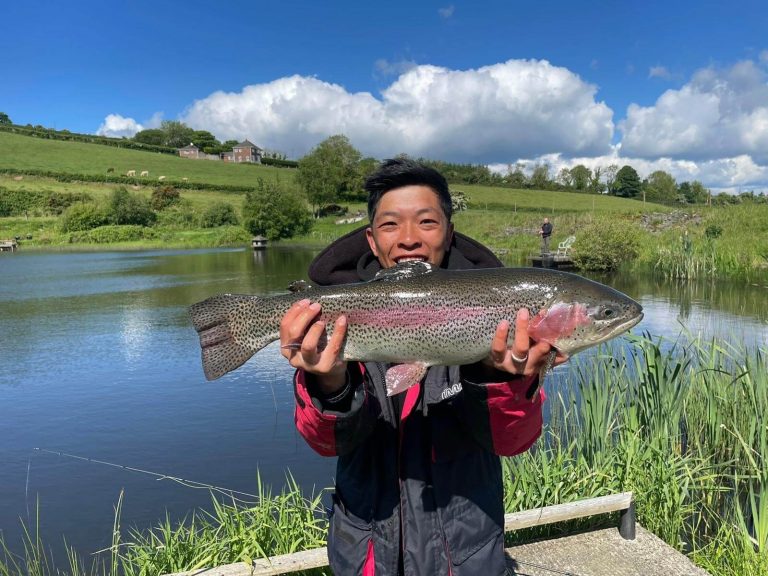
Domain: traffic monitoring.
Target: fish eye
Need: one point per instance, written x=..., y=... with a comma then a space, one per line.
x=608, y=313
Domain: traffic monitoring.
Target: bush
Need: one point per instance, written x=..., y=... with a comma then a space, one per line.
x=36, y=202
x=605, y=245
x=110, y=234
x=163, y=197
x=181, y=215
x=275, y=212
x=126, y=208
x=219, y=214
x=231, y=236
x=84, y=216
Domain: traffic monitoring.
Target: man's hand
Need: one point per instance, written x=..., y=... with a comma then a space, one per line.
x=524, y=357
x=303, y=342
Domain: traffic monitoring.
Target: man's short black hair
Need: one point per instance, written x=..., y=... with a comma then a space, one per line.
x=399, y=172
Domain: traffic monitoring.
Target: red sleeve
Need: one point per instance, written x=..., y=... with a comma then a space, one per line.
x=315, y=426
x=499, y=415
x=515, y=421
x=332, y=433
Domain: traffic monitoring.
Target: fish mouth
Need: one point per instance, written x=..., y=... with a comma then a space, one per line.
x=626, y=325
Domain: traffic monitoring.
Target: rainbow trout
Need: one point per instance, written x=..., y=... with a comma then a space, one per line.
x=417, y=316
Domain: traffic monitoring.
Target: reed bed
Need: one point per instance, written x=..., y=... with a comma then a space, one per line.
x=681, y=424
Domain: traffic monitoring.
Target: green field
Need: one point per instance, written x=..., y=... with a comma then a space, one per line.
x=28, y=153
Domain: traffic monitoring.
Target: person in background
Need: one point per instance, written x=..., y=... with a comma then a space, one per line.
x=418, y=486
x=545, y=232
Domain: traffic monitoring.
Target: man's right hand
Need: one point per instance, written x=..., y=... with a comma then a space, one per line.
x=303, y=342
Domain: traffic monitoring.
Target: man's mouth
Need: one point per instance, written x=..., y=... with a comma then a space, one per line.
x=411, y=259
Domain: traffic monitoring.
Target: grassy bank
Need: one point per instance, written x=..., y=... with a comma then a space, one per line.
x=681, y=425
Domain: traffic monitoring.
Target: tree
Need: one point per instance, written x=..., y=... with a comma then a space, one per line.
x=275, y=212
x=329, y=171
x=153, y=136
x=177, y=134
x=206, y=141
x=127, y=208
x=595, y=184
x=516, y=178
x=660, y=187
x=540, y=177
x=564, y=177
x=610, y=177
x=580, y=177
x=627, y=183
x=699, y=194
x=4, y=119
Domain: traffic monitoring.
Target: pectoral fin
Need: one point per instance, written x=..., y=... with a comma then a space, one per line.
x=402, y=376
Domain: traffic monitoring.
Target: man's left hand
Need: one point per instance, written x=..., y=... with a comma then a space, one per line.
x=524, y=357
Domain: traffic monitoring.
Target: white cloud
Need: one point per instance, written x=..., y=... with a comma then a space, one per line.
x=721, y=174
x=659, y=72
x=117, y=126
x=447, y=11
x=506, y=110
x=386, y=68
x=763, y=57
x=720, y=113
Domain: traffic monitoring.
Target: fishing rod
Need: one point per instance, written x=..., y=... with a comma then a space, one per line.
x=183, y=481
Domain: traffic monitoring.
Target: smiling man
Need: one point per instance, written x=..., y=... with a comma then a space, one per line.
x=418, y=486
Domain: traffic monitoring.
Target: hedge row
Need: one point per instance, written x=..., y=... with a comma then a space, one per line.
x=23, y=202
x=119, y=179
x=50, y=134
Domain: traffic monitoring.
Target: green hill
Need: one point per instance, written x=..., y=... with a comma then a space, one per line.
x=37, y=154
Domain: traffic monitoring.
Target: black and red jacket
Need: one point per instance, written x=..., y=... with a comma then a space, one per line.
x=418, y=485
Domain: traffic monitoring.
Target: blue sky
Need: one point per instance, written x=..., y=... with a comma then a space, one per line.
x=679, y=86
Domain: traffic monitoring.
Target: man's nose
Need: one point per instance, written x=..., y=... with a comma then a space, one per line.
x=409, y=235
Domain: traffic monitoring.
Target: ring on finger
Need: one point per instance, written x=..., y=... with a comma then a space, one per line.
x=519, y=360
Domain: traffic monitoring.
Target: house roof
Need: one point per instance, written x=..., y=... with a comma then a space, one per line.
x=190, y=147
x=246, y=144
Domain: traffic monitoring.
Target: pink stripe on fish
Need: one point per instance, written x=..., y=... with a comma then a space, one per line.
x=417, y=316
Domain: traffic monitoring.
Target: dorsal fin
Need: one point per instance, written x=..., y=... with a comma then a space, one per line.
x=299, y=286
x=403, y=270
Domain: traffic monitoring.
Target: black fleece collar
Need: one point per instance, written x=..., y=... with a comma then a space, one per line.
x=349, y=259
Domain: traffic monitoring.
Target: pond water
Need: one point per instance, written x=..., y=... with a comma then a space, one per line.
x=98, y=360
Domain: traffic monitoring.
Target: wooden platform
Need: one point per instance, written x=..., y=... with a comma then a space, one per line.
x=628, y=550
x=551, y=261
x=8, y=246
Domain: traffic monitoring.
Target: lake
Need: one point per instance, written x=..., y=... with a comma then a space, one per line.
x=98, y=360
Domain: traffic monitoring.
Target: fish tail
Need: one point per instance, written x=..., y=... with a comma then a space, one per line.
x=232, y=328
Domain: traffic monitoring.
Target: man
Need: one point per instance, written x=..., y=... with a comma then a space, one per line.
x=418, y=486
x=545, y=232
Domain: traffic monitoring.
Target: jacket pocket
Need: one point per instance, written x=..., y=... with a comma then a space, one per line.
x=349, y=539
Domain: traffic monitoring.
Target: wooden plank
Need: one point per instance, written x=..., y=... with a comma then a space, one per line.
x=318, y=557
x=570, y=511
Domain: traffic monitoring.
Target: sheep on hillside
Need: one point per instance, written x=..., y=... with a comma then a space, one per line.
x=131, y=173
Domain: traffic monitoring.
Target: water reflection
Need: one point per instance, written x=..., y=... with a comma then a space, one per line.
x=99, y=359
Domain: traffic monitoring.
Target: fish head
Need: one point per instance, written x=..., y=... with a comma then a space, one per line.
x=583, y=315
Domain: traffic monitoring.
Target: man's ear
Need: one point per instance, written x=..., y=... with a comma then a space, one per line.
x=371, y=241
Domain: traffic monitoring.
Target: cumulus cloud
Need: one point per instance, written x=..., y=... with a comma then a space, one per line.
x=447, y=11
x=720, y=113
x=488, y=114
x=720, y=174
x=117, y=126
x=659, y=72
x=386, y=68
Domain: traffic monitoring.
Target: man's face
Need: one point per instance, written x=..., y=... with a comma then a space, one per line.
x=409, y=225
